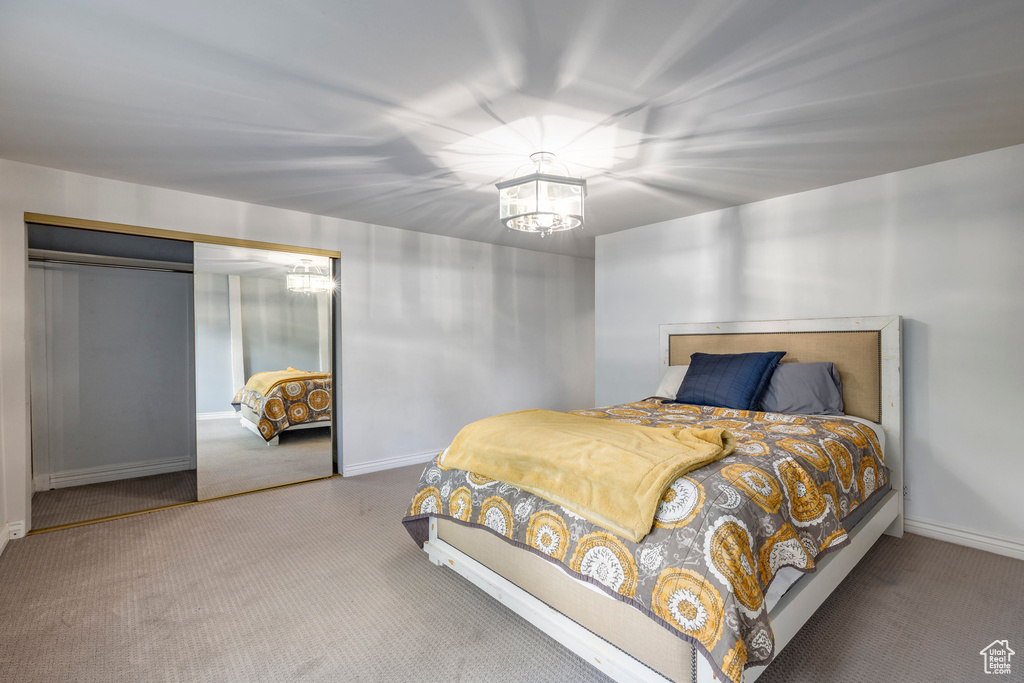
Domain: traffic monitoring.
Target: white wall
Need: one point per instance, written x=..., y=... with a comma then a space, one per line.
x=280, y=329
x=437, y=332
x=941, y=245
x=434, y=331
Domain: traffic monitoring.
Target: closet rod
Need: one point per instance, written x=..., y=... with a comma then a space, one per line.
x=48, y=256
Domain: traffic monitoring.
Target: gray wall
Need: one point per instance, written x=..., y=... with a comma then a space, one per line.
x=940, y=245
x=438, y=332
x=214, y=388
x=118, y=347
x=434, y=331
x=279, y=328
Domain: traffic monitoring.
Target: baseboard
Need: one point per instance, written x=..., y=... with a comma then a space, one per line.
x=224, y=414
x=11, y=530
x=95, y=475
x=1001, y=545
x=388, y=463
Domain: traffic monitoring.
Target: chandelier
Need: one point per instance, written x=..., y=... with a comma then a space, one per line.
x=542, y=197
x=308, y=279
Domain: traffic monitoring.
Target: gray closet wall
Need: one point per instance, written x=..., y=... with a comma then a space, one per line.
x=112, y=391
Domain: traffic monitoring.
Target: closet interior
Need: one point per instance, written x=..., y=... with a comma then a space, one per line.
x=166, y=371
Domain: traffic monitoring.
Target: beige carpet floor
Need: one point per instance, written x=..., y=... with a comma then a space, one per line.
x=92, y=501
x=320, y=582
x=231, y=459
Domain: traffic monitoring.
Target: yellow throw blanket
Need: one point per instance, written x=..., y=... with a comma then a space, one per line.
x=612, y=473
x=263, y=382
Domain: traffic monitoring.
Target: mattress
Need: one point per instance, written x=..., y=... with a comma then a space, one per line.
x=721, y=537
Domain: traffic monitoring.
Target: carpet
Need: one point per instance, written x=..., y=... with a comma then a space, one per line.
x=92, y=501
x=231, y=459
x=320, y=582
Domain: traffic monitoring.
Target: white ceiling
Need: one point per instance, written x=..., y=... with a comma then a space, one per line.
x=230, y=260
x=405, y=112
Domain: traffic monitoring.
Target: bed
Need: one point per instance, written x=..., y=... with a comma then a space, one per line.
x=276, y=401
x=626, y=626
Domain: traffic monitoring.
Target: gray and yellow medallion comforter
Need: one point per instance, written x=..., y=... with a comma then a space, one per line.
x=721, y=533
x=285, y=398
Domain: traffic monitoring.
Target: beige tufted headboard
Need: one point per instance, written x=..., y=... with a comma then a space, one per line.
x=856, y=354
x=867, y=351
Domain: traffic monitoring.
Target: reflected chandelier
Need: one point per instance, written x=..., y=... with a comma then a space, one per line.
x=307, y=278
x=542, y=197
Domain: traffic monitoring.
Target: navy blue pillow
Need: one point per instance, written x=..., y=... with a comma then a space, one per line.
x=729, y=380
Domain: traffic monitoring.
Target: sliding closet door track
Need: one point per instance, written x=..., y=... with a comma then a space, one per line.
x=108, y=518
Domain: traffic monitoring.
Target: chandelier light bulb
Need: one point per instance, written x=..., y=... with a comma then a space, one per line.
x=308, y=279
x=542, y=197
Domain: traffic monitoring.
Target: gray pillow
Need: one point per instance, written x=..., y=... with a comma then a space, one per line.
x=670, y=381
x=805, y=389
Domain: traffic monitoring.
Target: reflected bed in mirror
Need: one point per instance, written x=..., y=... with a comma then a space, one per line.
x=272, y=402
x=264, y=390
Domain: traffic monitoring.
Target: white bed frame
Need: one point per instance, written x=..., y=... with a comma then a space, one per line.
x=276, y=440
x=803, y=599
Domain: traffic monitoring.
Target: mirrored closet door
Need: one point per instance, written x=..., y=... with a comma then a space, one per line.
x=264, y=371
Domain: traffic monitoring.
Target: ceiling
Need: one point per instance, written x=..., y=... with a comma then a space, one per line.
x=232, y=260
x=405, y=113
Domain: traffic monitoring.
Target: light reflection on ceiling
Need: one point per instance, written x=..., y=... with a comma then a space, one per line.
x=222, y=259
x=591, y=145
x=405, y=114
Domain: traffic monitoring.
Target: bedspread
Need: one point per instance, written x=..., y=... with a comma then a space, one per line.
x=628, y=466
x=721, y=532
x=286, y=398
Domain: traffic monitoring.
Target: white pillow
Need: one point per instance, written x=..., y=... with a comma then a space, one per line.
x=670, y=381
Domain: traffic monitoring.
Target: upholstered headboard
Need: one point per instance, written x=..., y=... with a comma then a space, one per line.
x=867, y=352
x=856, y=354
